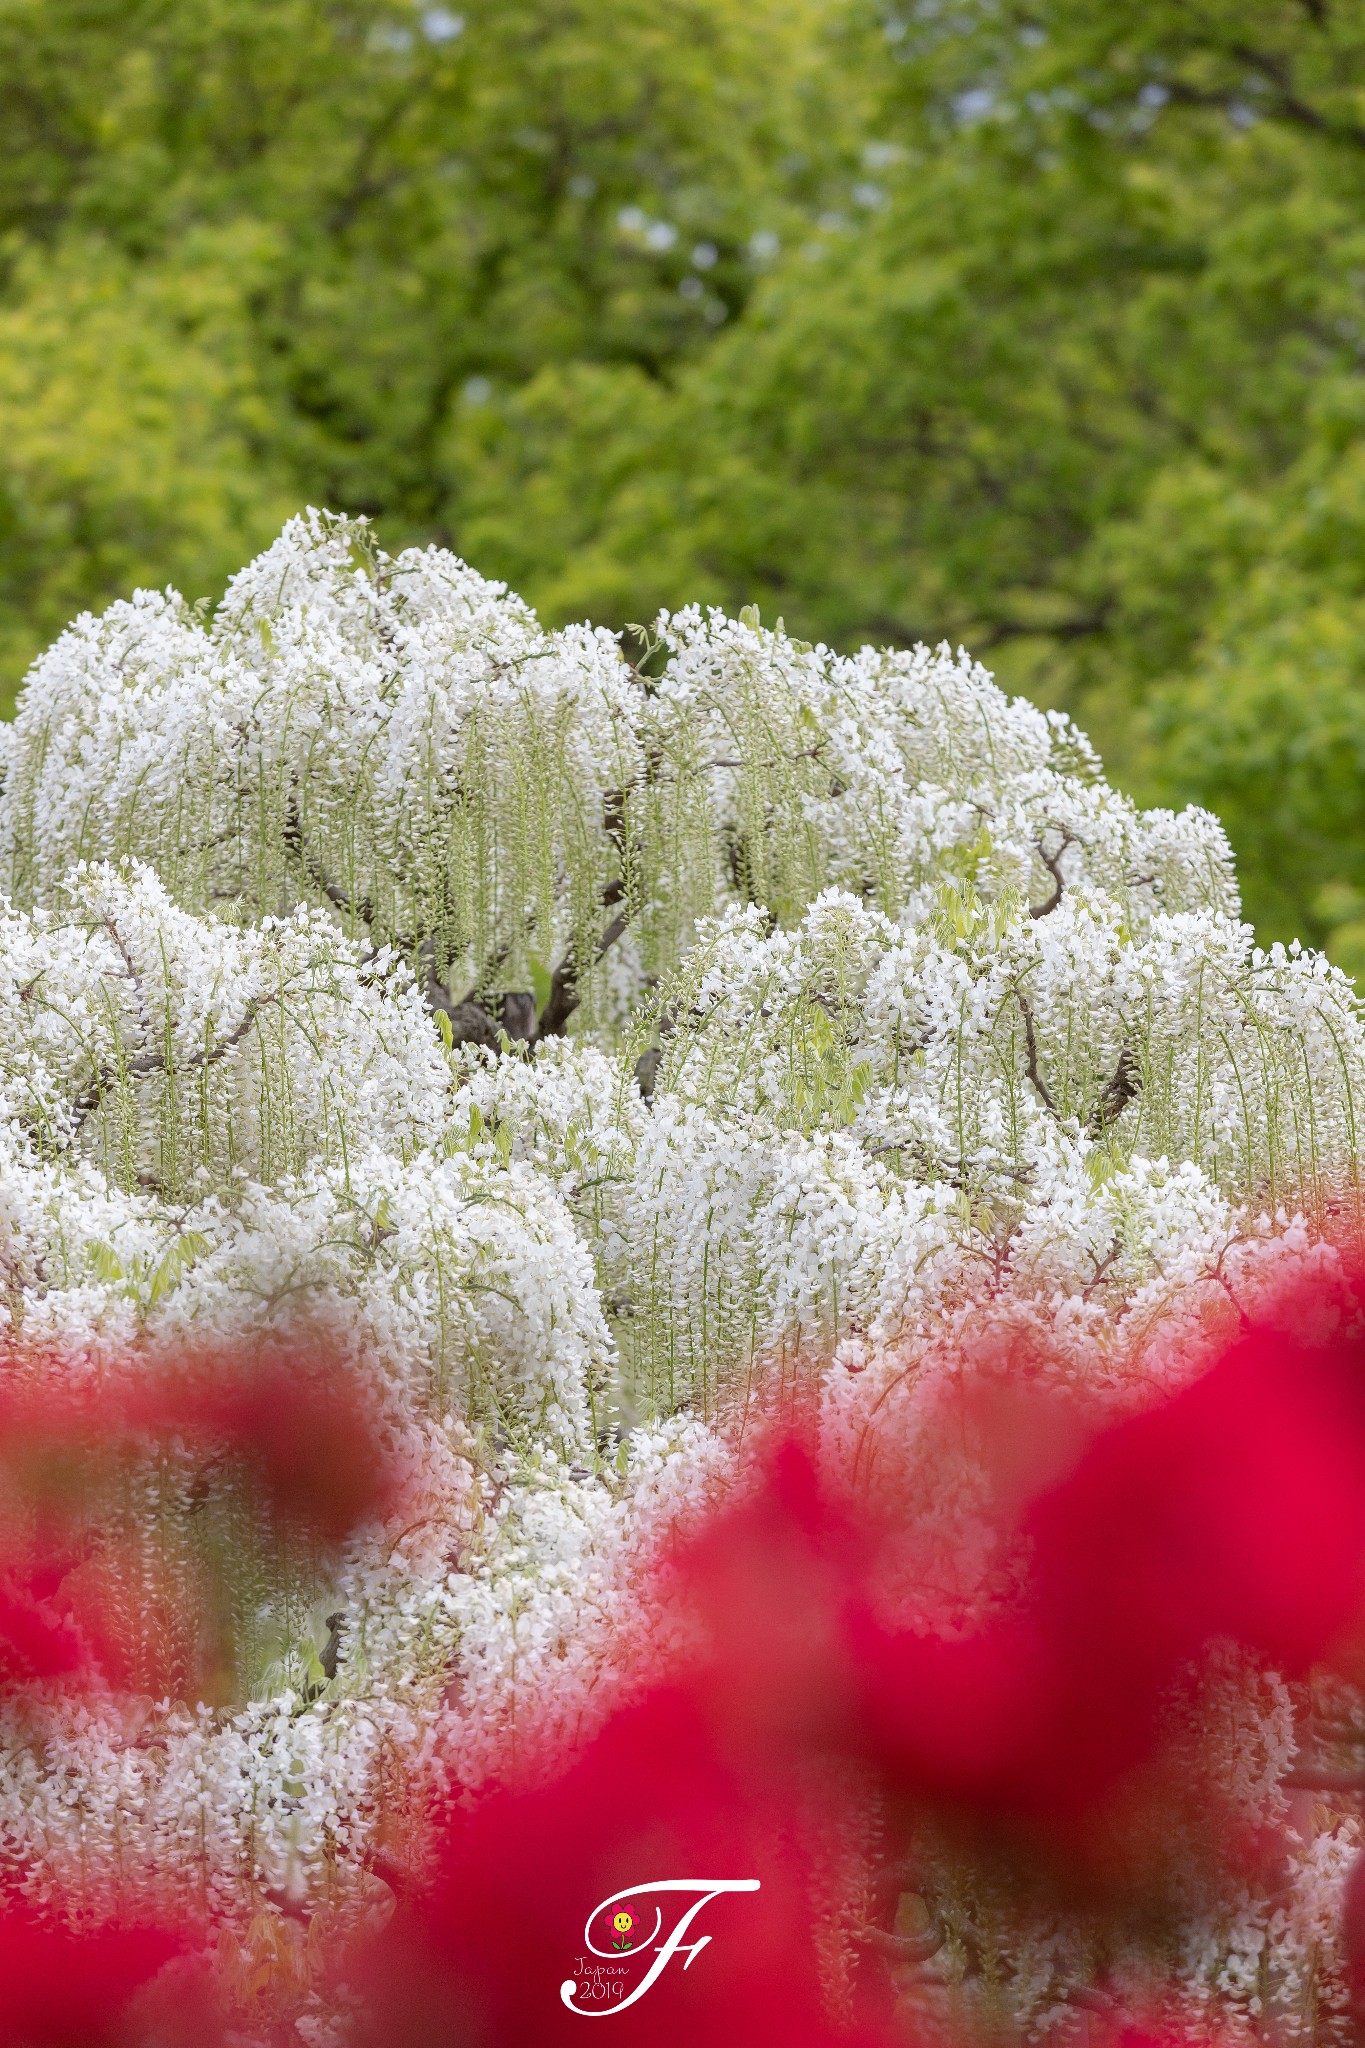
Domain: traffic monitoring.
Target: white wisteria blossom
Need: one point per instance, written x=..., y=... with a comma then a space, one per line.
x=593, y=1046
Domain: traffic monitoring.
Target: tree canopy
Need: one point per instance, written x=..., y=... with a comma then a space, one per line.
x=1036, y=327
x=253, y=252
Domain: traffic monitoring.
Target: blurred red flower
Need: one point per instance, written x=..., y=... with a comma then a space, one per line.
x=63, y=1987
x=300, y=1424
x=37, y=1640
x=289, y=1431
x=1234, y=1510
x=483, y=1954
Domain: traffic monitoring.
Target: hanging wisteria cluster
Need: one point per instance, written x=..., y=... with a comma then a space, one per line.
x=601, y=1054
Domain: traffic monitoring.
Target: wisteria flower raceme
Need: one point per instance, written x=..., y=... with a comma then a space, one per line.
x=1233, y=1510
x=279, y=1451
x=600, y=1058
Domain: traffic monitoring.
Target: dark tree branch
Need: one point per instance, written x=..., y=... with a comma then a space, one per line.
x=1031, y=1063
x=147, y=1063
x=292, y=836
x=515, y=1010
x=1317, y=1778
x=470, y=1023
x=1091, y=2000
x=364, y=185
x=1277, y=73
x=1023, y=629
x=514, y=1014
x=564, y=982
x=901, y=1948
x=1116, y=1093
x=814, y=753
x=129, y=967
x=1053, y=863
x=1285, y=102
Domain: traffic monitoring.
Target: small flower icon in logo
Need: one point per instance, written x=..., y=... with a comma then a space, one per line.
x=623, y=1922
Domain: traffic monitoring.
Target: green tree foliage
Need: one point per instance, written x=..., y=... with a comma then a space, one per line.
x=1075, y=377
x=134, y=439
x=252, y=250
x=1033, y=324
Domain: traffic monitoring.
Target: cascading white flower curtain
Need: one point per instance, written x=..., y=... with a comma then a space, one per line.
x=592, y=1048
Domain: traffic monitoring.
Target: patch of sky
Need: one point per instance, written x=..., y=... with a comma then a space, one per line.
x=975, y=104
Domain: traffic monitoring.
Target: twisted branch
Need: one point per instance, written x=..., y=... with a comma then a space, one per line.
x=156, y=1063
x=901, y=1948
x=1116, y=1093
x=1031, y=1062
x=1053, y=863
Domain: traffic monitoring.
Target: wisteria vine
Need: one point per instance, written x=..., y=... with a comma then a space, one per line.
x=603, y=1056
